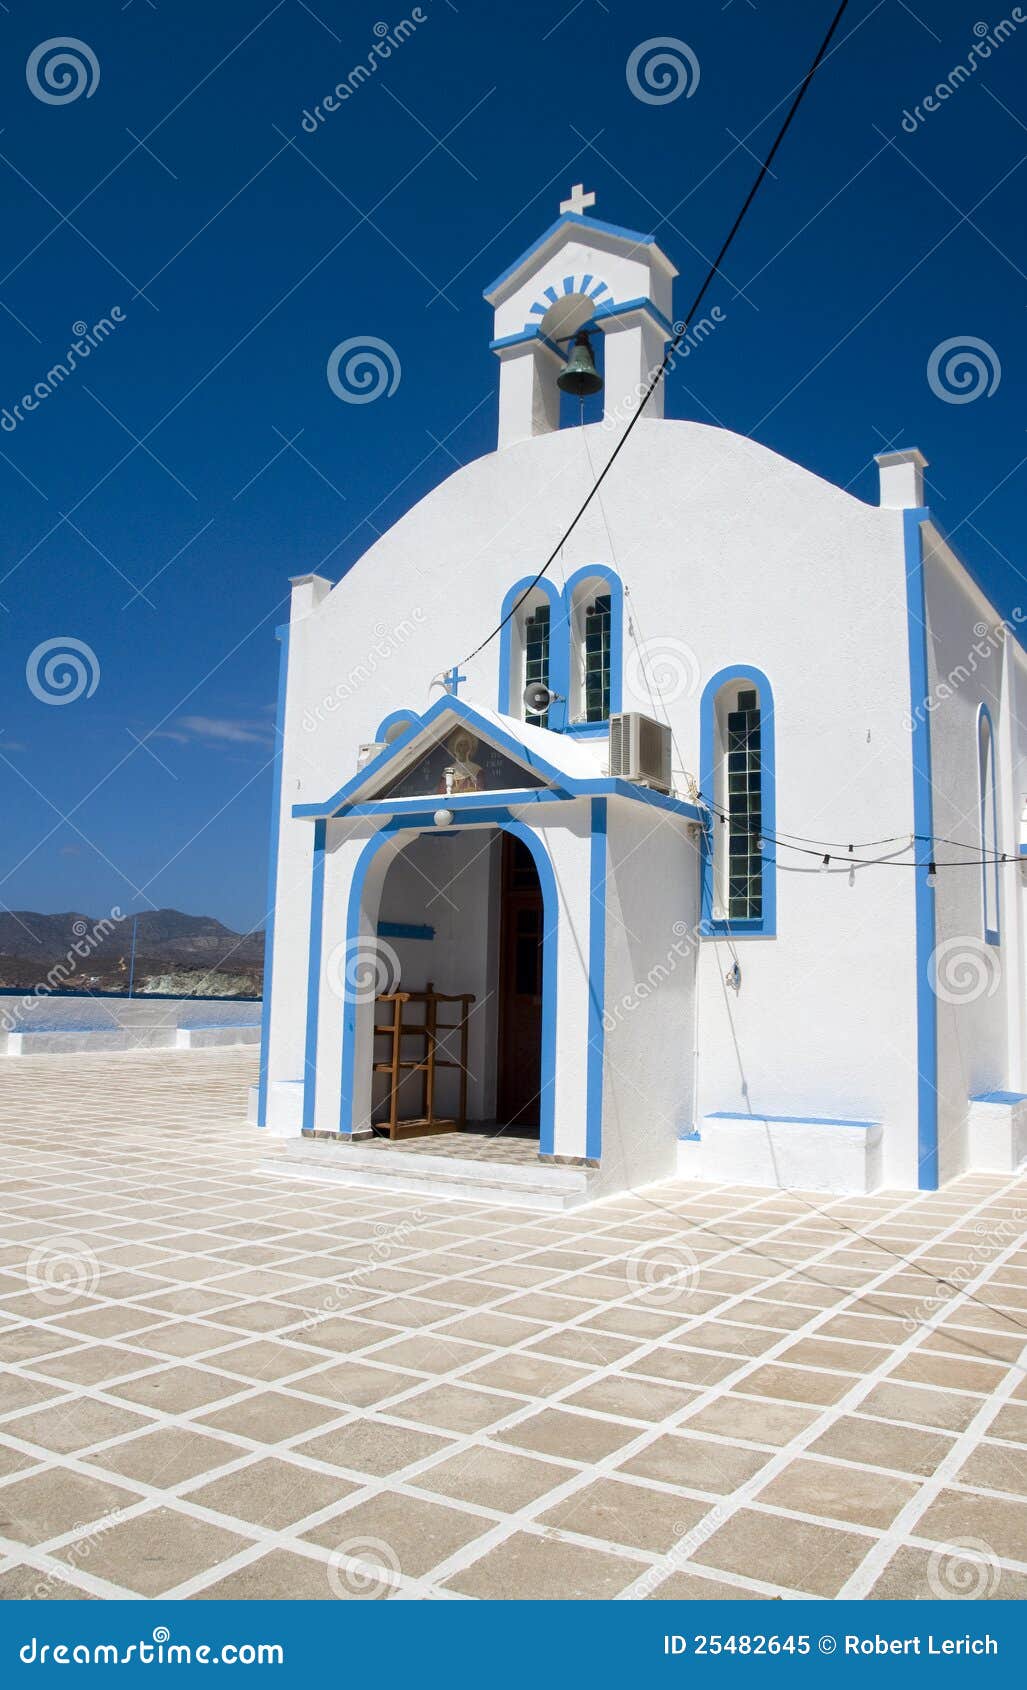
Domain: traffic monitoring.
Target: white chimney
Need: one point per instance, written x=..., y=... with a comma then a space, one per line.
x=902, y=479
x=307, y=593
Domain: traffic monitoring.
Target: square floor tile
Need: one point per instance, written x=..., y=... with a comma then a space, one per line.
x=416, y=1535
x=157, y=1550
x=49, y=1503
x=790, y=1553
x=74, y=1424
x=538, y=1569
x=697, y=1463
x=167, y=1456
x=852, y=1494
x=373, y=1446
x=272, y=1493
x=621, y=1513
x=494, y=1478
x=879, y=1444
x=574, y=1437
x=270, y=1416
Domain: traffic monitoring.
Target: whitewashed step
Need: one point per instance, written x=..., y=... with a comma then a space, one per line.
x=787, y=1152
x=539, y=1187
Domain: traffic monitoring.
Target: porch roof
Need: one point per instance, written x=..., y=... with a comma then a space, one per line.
x=568, y=768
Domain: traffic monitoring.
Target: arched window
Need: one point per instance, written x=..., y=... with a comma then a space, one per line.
x=532, y=648
x=989, y=824
x=737, y=781
x=595, y=612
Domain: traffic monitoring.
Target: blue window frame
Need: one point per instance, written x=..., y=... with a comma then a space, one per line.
x=594, y=601
x=988, y=800
x=737, y=778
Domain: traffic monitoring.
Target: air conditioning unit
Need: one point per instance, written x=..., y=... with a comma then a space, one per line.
x=640, y=750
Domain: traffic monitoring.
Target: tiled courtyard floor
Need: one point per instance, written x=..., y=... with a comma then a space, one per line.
x=218, y=1383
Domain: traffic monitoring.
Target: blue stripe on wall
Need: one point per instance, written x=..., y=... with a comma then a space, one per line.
x=596, y=981
x=282, y=634
x=317, y=892
x=923, y=823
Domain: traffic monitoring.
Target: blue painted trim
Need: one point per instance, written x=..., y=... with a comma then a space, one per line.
x=404, y=930
x=521, y=338
x=766, y=926
x=923, y=823
x=596, y=982
x=602, y=572
x=448, y=705
x=614, y=308
x=392, y=718
x=474, y=807
x=459, y=802
x=1023, y=850
x=1000, y=1097
x=689, y=1137
x=988, y=775
x=568, y=219
x=282, y=634
x=317, y=892
x=551, y=927
x=787, y=1120
x=587, y=730
x=508, y=705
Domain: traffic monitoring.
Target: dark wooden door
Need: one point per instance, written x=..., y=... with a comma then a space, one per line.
x=520, y=988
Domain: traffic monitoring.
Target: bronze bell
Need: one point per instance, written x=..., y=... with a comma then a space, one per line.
x=579, y=375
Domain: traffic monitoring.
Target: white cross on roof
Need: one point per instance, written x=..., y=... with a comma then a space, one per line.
x=579, y=201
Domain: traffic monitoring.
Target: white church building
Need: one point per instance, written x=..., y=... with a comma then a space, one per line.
x=736, y=894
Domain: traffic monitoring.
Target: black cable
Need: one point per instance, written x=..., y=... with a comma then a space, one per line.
x=843, y=855
x=675, y=342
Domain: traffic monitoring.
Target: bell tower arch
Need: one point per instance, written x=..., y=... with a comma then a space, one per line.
x=581, y=274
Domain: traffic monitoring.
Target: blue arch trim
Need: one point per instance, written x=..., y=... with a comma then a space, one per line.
x=558, y=649
x=551, y=925
x=766, y=926
x=560, y=637
x=413, y=717
x=923, y=823
x=987, y=776
x=317, y=887
x=601, y=572
x=596, y=983
x=282, y=635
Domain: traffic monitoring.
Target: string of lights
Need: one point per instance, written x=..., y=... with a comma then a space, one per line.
x=844, y=857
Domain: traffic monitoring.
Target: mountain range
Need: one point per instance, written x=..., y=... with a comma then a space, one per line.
x=31, y=943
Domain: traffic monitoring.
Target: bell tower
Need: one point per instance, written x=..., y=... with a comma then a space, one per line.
x=580, y=276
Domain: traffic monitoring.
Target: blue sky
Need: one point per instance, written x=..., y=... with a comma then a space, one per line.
x=157, y=501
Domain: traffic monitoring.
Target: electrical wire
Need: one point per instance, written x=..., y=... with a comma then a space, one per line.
x=678, y=337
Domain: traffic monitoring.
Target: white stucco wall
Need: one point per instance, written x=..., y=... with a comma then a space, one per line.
x=973, y=979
